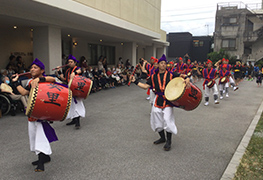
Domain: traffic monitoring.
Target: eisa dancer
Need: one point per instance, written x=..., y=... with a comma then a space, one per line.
x=162, y=117
x=40, y=132
x=77, y=108
x=210, y=74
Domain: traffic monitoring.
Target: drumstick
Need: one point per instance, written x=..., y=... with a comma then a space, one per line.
x=22, y=74
x=129, y=83
x=60, y=67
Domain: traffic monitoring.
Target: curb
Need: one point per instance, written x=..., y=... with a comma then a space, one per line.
x=231, y=169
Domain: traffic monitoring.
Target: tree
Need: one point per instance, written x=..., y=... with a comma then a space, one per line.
x=215, y=56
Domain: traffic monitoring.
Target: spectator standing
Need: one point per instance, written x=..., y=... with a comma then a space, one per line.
x=105, y=64
x=100, y=65
x=128, y=63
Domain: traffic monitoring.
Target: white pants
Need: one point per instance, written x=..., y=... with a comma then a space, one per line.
x=231, y=80
x=163, y=119
x=152, y=95
x=214, y=90
x=37, y=138
x=223, y=86
x=76, y=109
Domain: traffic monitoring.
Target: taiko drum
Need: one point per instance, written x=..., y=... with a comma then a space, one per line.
x=80, y=86
x=182, y=97
x=49, y=101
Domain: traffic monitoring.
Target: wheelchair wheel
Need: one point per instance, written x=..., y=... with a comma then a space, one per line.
x=5, y=104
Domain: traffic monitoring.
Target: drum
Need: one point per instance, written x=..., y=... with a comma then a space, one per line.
x=211, y=83
x=187, y=99
x=49, y=101
x=80, y=86
x=223, y=80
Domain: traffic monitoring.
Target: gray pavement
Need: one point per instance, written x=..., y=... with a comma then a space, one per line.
x=115, y=139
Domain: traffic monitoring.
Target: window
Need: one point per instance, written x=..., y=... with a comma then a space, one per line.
x=96, y=50
x=229, y=44
x=196, y=43
x=230, y=20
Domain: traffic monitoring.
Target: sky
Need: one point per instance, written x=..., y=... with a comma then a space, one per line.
x=196, y=17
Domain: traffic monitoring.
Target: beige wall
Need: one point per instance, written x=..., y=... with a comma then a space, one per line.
x=144, y=13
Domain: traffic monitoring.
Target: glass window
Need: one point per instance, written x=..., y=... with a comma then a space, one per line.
x=96, y=50
x=201, y=43
x=195, y=43
x=229, y=43
x=232, y=20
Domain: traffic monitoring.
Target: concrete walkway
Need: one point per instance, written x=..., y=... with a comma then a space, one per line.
x=115, y=139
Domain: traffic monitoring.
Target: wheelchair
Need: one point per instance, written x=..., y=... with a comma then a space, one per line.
x=7, y=104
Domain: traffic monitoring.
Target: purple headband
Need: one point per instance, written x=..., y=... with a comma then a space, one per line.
x=72, y=58
x=163, y=58
x=39, y=64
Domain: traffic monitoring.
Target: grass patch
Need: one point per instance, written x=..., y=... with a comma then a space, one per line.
x=251, y=165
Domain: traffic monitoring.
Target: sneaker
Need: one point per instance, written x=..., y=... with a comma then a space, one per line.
x=221, y=97
x=216, y=102
x=206, y=103
x=148, y=98
x=227, y=95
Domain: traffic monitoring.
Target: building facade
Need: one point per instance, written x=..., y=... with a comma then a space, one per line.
x=239, y=30
x=197, y=47
x=46, y=29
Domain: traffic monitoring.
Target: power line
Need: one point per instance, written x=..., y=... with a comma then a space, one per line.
x=187, y=20
x=188, y=14
x=194, y=7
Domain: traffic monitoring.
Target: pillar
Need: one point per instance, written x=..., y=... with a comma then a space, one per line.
x=47, y=46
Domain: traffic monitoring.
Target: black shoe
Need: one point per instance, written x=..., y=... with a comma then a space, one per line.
x=72, y=122
x=40, y=164
x=162, y=139
x=168, y=143
x=159, y=141
x=77, y=124
x=46, y=160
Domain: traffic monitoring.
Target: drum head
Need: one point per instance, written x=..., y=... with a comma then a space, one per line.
x=91, y=83
x=31, y=100
x=70, y=82
x=174, y=89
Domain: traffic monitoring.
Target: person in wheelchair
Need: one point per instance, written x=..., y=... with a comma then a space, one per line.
x=6, y=88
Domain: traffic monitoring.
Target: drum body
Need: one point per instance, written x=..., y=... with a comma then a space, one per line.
x=80, y=86
x=49, y=101
x=182, y=97
x=223, y=80
x=211, y=83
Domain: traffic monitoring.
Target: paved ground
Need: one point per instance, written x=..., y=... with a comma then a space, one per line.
x=115, y=140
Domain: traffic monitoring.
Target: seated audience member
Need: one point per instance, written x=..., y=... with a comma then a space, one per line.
x=20, y=65
x=111, y=81
x=88, y=73
x=96, y=76
x=6, y=88
x=12, y=63
x=10, y=71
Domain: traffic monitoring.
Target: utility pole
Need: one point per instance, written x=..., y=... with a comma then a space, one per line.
x=207, y=25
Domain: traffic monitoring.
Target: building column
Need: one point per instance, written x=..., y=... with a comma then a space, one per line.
x=47, y=46
x=160, y=52
x=150, y=51
x=129, y=52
